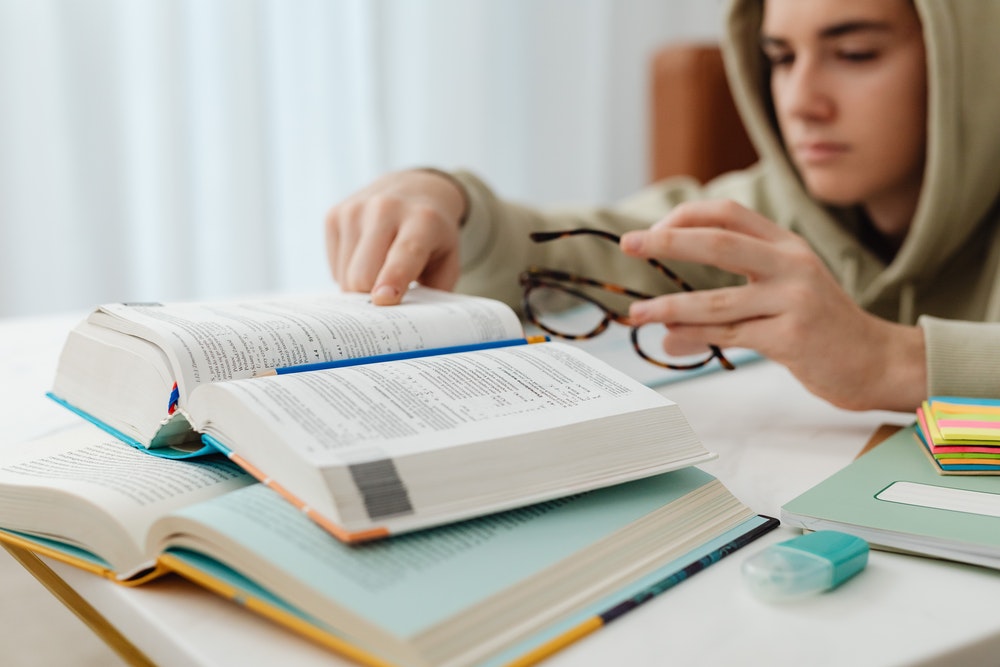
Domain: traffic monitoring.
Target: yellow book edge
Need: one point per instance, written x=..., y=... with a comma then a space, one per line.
x=167, y=564
x=42, y=549
x=338, y=644
x=273, y=613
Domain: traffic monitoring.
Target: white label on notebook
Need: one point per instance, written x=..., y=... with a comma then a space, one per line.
x=940, y=497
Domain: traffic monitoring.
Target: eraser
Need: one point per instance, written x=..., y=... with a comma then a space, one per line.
x=805, y=565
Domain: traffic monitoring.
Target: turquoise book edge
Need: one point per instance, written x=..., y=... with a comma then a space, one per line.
x=162, y=452
x=848, y=500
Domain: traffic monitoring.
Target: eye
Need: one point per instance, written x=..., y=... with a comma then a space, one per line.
x=779, y=57
x=781, y=60
x=857, y=56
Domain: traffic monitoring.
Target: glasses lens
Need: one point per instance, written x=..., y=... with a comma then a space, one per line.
x=564, y=313
x=650, y=341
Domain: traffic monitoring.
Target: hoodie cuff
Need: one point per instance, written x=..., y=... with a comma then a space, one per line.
x=478, y=224
x=963, y=358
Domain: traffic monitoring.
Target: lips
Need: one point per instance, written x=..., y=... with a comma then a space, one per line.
x=819, y=152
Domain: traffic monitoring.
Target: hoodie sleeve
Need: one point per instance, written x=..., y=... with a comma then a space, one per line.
x=963, y=358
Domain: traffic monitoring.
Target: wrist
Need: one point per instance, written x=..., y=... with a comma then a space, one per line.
x=902, y=383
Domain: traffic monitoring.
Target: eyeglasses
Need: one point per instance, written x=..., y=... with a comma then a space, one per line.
x=547, y=291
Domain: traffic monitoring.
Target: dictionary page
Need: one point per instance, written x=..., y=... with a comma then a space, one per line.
x=82, y=487
x=407, y=407
x=212, y=342
x=403, y=444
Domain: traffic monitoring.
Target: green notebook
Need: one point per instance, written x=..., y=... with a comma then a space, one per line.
x=893, y=498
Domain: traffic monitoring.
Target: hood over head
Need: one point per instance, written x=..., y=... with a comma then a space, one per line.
x=962, y=171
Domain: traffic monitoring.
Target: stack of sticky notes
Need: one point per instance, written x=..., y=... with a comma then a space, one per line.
x=961, y=435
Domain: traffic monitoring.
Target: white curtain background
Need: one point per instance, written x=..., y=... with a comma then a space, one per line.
x=179, y=149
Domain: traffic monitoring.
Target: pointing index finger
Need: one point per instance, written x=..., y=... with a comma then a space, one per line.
x=405, y=261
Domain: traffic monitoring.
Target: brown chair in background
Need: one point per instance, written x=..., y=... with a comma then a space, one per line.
x=696, y=130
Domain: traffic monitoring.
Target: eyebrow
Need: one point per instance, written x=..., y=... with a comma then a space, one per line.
x=835, y=30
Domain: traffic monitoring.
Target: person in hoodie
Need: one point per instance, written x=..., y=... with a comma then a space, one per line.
x=861, y=251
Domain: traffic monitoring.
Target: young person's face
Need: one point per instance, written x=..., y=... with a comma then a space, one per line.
x=849, y=85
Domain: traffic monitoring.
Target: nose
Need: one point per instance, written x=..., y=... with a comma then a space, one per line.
x=800, y=92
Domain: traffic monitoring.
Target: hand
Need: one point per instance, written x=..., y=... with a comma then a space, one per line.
x=402, y=227
x=791, y=309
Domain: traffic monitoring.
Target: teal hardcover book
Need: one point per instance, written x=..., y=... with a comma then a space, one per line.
x=464, y=593
x=537, y=646
x=506, y=587
x=893, y=498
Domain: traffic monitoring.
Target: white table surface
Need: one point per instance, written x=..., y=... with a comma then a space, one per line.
x=774, y=441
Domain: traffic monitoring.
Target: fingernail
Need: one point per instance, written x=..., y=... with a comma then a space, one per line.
x=632, y=242
x=384, y=294
x=637, y=312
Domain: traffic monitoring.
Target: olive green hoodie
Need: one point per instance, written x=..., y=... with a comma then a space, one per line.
x=947, y=271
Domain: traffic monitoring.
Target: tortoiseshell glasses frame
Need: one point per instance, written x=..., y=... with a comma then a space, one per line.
x=549, y=278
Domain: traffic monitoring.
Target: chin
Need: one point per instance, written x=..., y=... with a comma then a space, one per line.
x=831, y=190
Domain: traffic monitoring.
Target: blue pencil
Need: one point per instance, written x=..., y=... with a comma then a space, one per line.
x=395, y=356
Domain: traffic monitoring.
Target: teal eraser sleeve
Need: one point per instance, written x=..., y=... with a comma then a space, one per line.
x=805, y=565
